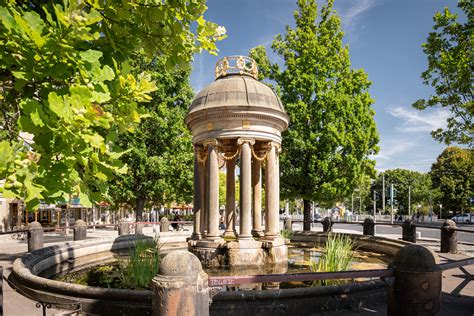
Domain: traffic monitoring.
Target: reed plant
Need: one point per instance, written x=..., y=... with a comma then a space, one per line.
x=286, y=233
x=142, y=265
x=337, y=255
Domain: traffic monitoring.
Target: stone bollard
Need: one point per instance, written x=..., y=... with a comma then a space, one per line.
x=449, y=237
x=123, y=227
x=369, y=226
x=35, y=236
x=417, y=286
x=327, y=224
x=181, y=286
x=80, y=230
x=287, y=223
x=165, y=225
x=139, y=228
x=409, y=231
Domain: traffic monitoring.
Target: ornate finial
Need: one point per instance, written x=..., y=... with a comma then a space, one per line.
x=231, y=65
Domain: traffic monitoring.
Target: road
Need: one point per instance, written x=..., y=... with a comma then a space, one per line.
x=397, y=230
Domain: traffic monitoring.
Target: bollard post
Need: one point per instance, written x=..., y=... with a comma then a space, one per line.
x=369, y=226
x=139, y=228
x=181, y=286
x=287, y=223
x=123, y=227
x=327, y=224
x=35, y=236
x=165, y=225
x=417, y=286
x=449, y=237
x=80, y=230
x=409, y=231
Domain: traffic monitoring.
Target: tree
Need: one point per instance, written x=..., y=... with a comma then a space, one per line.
x=453, y=174
x=450, y=66
x=422, y=193
x=160, y=150
x=332, y=130
x=65, y=80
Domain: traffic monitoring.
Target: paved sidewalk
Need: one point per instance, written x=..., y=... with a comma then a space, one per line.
x=458, y=284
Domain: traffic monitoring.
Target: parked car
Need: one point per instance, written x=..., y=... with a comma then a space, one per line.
x=466, y=218
x=317, y=218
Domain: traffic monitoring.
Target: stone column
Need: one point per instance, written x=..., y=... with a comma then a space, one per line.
x=80, y=230
x=181, y=286
x=409, y=231
x=123, y=227
x=257, y=198
x=230, y=199
x=35, y=236
x=197, y=198
x=245, y=188
x=417, y=286
x=369, y=226
x=213, y=187
x=203, y=186
x=271, y=196
x=449, y=237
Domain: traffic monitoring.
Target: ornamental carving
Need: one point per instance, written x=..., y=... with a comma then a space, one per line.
x=232, y=65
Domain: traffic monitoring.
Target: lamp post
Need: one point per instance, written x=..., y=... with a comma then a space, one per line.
x=440, y=211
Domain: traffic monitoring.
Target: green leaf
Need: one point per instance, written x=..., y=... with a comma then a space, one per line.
x=91, y=56
x=85, y=201
x=36, y=119
x=56, y=104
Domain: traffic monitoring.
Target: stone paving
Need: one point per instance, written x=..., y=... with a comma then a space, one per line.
x=458, y=284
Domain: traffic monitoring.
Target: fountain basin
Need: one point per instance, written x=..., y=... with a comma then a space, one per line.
x=31, y=272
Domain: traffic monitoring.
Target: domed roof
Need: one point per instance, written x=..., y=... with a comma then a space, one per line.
x=236, y=105
x=236, y=90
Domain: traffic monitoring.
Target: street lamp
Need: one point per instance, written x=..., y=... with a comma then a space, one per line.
x=440, y=211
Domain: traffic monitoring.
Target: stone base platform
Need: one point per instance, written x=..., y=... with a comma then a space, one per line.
x=236, y=253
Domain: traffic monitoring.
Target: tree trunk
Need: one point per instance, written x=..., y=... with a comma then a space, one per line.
x=306, y=215
x=139, y=211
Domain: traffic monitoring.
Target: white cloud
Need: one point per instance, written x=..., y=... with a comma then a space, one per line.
x=415, y=121
x=393, y=148
x=349, y=16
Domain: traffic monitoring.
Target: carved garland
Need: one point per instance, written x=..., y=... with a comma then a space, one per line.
x=231, y=157
x=259, y=158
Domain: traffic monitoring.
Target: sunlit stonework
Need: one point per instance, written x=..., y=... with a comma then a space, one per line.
x=237, y=120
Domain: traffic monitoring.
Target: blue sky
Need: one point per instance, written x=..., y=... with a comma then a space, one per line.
x=384, y=38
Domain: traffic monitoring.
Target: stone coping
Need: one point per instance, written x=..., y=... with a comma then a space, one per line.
x=386, y=246
x=26, y=277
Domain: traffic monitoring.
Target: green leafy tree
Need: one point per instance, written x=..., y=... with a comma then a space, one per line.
x=332, y=130
x=450, y=65
x=423, y=196
x=160, y=150
x=64, y=80
x=453, y=174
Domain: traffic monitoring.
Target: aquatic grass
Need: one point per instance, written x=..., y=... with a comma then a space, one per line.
x=337, y=255
x=143, y=264
x=286, y=233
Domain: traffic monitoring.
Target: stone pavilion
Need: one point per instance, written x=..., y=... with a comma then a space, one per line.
x=237, y=121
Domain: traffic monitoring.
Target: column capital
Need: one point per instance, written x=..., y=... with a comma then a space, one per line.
x=210, y=142
x=277, y=147
x=243, y=140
